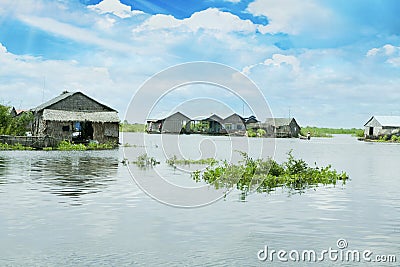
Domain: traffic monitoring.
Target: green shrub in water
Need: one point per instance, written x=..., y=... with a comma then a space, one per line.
x=267, y=174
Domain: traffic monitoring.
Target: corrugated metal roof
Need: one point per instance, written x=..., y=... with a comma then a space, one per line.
x=391, y=121
x=62, y=115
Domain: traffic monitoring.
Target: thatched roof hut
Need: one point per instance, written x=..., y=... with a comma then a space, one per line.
x=76, y=117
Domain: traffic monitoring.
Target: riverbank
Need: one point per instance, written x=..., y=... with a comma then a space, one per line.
x=329, y=132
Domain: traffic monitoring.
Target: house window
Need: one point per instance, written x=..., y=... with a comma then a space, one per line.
x=239, y=127
x=228, y=126
x=65, y=128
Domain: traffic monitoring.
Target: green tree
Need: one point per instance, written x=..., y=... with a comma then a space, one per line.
x=10, y=125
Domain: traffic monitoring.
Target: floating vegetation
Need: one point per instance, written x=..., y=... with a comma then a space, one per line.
x=67, y=145
x=175, y=161
x=144, y=161
x=17, y=146
x=97, y=146
x=266, y=175
x=258, y=133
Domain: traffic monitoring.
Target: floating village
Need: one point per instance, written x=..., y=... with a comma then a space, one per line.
x=78, y=118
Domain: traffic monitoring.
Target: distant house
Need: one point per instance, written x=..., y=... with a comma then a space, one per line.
x=382, y=125
x=215, y=124
x=16, y=112
x=175, y=123
x=281, y=127
x=234, y=125
x=207, y=125
x=76, y=116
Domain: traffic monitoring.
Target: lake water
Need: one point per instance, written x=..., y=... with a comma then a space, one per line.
x=84, y=208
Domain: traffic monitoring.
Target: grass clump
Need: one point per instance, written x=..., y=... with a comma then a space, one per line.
x=96, y=146
x=266, y=175
x=17, y=146
x=173, y=161
x=387, y=139
x=67, y=146
x=258, y=133
x=144, y=161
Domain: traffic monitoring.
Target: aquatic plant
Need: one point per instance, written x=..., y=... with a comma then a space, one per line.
x=97, y=146
x=67, y=145
x=173, y=161
x=261, y=132
x=251, y=133
x=17, y=146
x=265, y=175
x=144, y=161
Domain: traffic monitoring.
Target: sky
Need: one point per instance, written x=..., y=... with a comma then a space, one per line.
x=332, y=63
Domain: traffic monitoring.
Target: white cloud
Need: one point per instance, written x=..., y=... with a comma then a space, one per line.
x=387, y=53
x=72, y=32
x=276, y=61
x=390, y=49
x=291, y=16
x=114, y=7
x=279, y=59
x=3, y=49
x=209, y=19
x=37, y=80
x=372, y=52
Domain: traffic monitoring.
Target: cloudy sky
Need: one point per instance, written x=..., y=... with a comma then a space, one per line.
x=331, y=63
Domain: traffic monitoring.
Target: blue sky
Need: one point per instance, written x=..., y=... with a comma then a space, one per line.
x=333, y=63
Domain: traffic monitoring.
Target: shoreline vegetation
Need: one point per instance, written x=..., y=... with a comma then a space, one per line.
x=329, y=132
x=63, y=146
x=383, y=139
x=126, y=127
x=262, y=175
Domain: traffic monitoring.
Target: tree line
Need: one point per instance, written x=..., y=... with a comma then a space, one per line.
x=14, y=125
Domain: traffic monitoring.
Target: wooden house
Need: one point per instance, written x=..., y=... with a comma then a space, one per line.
x=206, y=125
x=378, y=126
x=281, y=127
x=214, y=124
x=176, y=123
x=75, y=116
x=234, y=125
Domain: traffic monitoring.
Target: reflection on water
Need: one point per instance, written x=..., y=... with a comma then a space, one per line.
x=74, y=176
x=3, y=169
x=82, y=208
x=70, y=174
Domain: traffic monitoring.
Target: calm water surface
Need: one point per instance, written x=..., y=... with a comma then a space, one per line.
x=83, y=208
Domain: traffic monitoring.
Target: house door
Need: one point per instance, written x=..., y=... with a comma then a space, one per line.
x=87, y=130
x=371, y=131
